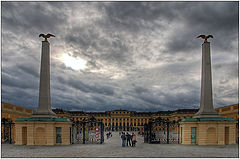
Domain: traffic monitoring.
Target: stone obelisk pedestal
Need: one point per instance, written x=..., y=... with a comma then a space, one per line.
x=207, y=127
x=44, y=128
x=44, y=103
x=206, y=102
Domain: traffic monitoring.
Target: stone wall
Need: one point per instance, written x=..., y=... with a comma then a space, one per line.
x=209, y=132
x=41, y=133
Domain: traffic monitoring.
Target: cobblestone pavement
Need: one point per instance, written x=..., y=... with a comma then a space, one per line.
x=112, y=148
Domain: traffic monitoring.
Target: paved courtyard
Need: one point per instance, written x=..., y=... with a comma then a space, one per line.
x=112, y=148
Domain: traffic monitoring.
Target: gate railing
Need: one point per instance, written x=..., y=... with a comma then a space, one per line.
x=6, y=130
x=161, y=130
x=88, y=131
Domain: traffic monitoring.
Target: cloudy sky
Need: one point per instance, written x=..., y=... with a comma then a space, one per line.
x=141, y=56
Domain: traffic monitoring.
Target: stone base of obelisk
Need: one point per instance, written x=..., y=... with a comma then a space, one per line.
x=207, y=131
x=207, y=115
x=49, y=114
x=43, y=131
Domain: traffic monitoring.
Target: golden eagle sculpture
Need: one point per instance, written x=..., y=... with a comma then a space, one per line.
x=46, y=36
x=205, y=37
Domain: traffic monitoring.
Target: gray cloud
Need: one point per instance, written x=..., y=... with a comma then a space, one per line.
x=141, y=56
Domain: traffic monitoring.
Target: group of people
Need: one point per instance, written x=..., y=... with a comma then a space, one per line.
x=141, y=133
x=109, y=134
x=131, y=139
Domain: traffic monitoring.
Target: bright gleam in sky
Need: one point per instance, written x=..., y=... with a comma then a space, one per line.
x=141, y=56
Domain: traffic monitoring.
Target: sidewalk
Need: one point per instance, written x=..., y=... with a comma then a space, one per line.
x=112, y=148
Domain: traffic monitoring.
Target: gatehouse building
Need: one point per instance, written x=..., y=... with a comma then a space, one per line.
x=115, y=120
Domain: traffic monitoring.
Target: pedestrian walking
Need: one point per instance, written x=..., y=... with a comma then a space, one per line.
x=134, y=139
x=123, y=139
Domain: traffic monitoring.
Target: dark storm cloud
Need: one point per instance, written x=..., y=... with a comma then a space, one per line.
x=134, y=16
x=32, y=15
x=87, y=88
x=140, y=56
x=204, y=18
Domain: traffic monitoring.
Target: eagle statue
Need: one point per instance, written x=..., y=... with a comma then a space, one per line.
x=205, y=37
x=46, y=36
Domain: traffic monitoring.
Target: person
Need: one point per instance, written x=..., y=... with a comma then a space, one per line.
x=107, y=135
x=131, y=137
x=134, y=140
x=123, y=139
x=128, y=139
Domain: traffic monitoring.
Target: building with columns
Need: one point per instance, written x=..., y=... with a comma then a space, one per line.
x=115, y=120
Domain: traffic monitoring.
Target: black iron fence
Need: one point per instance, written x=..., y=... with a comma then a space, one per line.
x=6, y=130
x=161, y=131
x=88, y=131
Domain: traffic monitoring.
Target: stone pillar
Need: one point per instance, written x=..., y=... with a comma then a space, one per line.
x=18, y=132
x=44, y=103
x=206, y=102
x=30, y=134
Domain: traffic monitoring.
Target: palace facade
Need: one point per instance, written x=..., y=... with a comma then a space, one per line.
x=115, y=120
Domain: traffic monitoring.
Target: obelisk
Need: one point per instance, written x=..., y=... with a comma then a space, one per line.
x=206, y=102
x=44, y=103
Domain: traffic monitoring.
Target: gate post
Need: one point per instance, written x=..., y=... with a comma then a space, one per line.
x=150, y=132
x=10, y=132
x=84, y=132
x=167, y=132
x=4, y=127
x=102, y=133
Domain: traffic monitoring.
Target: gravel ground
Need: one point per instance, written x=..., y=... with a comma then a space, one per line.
x=112, y=148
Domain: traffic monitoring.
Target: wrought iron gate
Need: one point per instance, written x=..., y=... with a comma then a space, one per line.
x=88, y=131
x=161, y=131
x=6, y=131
